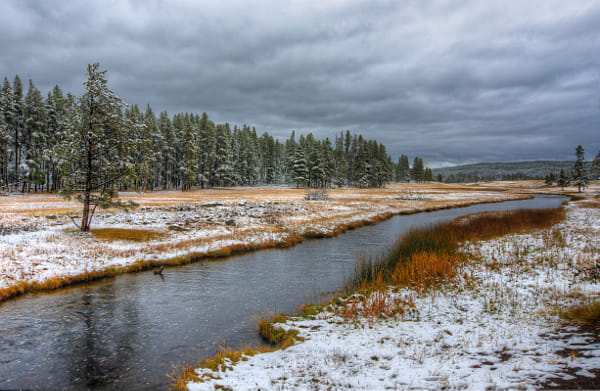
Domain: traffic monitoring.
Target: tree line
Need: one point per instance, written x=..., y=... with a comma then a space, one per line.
x=157, y=151
x=580, y=175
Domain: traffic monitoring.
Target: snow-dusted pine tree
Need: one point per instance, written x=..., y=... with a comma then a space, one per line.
x=579, y=174
x=5, y=110
x=168, y=168
x=223, y=164
x=189, y=162
x=18, y=125
x=299, y=168
x=563, y=181
x=34, y=138
x=595, y=168
x=94, y=155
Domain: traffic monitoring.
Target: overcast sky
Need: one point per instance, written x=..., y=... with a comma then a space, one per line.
x=450, y=81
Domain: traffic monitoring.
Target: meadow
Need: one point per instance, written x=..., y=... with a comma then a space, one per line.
x=40, y=247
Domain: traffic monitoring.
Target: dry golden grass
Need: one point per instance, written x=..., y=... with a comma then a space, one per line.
x=276, y=336
x=136, y=235
x=180, y=376
x=43, y=203
x=425, y=257
x=585, y=314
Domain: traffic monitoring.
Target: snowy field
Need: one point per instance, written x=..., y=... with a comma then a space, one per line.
x=39, y=243
x=494, y=327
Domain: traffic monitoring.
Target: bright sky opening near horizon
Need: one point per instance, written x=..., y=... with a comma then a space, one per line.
x=450, y=81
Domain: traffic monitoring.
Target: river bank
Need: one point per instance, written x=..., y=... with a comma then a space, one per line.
x=502, y=322
x=41, y=249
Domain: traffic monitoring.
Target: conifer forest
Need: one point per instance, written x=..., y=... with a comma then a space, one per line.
x=143, y=150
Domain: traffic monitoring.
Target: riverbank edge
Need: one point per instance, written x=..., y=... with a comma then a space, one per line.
x=265, y=328
x=24, y=287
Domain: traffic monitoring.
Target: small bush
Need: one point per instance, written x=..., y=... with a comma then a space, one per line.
x=318, y=195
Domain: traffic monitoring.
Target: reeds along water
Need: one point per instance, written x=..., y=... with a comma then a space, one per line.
x=428, y=255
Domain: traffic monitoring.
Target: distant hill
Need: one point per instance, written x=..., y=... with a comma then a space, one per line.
x=502, y=171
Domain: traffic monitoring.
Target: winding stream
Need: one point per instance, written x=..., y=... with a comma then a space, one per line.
x=128, y=332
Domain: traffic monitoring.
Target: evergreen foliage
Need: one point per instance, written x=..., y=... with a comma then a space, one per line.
x=92, y=146
x=579, y=173
x=595, y=168
x=563, y=181
x=95, y=155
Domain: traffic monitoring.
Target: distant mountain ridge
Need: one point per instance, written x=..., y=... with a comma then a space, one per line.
x=499, y=171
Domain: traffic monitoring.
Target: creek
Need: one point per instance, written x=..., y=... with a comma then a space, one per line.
x=128, y=332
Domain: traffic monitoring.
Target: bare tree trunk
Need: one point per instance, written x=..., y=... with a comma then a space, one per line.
x=86, y=212
x=87, y=193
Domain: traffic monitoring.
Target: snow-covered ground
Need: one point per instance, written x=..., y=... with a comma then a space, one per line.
x=38, y=244
x=495, y=326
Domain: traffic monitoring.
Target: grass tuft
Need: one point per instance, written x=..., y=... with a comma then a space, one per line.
x=180, y=376
x=276, y=336
x=585, y=314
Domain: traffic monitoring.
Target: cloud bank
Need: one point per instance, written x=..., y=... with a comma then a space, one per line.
x=450, y=81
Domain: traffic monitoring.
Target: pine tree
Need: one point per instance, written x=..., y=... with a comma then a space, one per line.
x=34, y=138
x=189, y=162
x=207, y=150
x=403, y=169
x=595, y=168
x=168, y=151
x=154, y=161
x=17, y=124
x=5, y=120
x=340, y=168
x=418, y=170
x=267, y=158
x=384, y=168
x=362, y=164
x=4, y=140
x=95, y=152
x=55, y=128
x=328, y=162
x=300, y=169
x=549, y=179
x=562, y=180
x=428, y=176
x=579, y=174
x=223, y=165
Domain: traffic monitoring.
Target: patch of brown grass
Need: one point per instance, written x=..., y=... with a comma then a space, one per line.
x=180, y=376
x=584, y=314
x=375, y=305
x=427, y=256
x=592, y=204
x=276, y=336
x=425, y=269
x=135, y=235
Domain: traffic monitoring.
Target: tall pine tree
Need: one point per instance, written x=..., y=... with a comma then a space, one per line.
x=95, y=155
x=579, y=173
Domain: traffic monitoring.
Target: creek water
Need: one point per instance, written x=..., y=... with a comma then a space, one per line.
x=128, y=332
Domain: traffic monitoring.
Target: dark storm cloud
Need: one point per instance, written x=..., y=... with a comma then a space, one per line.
x=450, y=81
